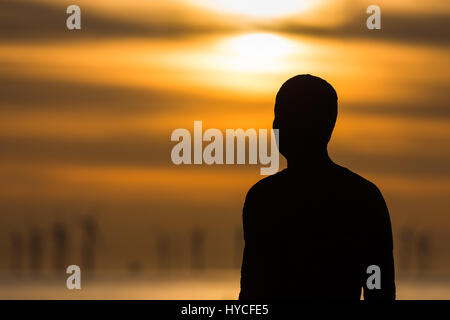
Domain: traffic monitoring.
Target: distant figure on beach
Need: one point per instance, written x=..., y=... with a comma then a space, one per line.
x=60, y=240
x=423, y=252
x=197, y=249
x=89, y=241
x=312, y=230
x=17, y=253
x=163, y=252
x=36, y=250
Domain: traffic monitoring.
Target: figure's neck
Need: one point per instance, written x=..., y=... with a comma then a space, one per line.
x=311, y=160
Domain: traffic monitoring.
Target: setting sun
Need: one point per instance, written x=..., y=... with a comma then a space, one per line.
x=257, y=52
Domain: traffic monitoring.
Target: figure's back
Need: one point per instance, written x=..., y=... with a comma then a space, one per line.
x=313, y=233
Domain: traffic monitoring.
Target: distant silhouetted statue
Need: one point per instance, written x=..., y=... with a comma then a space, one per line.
x=423, y=252
x=89, y=241
x=17, y=252
x=60, y=240
x=197, y=249
x=36, y=250
x=312, y=230
x=163, y=252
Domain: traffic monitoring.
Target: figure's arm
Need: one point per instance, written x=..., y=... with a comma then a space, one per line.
x=249, y=270
x=379, y=252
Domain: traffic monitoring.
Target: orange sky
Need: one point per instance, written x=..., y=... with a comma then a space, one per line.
x=86, y=116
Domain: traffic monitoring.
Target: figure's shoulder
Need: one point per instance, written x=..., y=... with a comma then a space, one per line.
x=267, y=184
x=358, y=182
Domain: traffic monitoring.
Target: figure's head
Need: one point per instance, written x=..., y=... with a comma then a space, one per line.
x=305, y=114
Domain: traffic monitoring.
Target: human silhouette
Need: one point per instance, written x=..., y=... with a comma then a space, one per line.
x=89, y=241
x=197, y=249
x=60, y=239
x=423, y=252
x=36, y=250
x=312, y=229
x=17, y=252
x=163, y=252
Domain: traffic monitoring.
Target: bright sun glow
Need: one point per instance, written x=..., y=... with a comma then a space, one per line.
x=259, y=44
x=260, y=8
x=257, y=52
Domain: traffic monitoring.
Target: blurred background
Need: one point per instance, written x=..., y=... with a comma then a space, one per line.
x=86, y=117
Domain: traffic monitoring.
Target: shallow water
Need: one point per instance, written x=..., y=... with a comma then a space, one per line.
x=211, y=285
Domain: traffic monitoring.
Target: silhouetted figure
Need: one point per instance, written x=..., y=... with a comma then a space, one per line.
x=423, y=252
x=36, y=250
x=312, y=229
x=163, y=252
x=60, y=240
x=89, y=243
x=197, y=249
x=17, y=253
